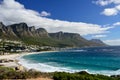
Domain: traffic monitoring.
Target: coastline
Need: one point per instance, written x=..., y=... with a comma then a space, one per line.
x=12, y=61
x=17, y=57
x=56, y=69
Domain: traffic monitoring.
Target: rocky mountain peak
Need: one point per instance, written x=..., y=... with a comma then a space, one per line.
x=32, y=28
x=42, y=32
x=19, y=27
x=22, y=31
x=1, y=25
x=97, y=41
x=60, y=32
x=61, y=35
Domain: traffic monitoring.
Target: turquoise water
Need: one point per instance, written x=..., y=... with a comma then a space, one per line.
x=101, y=60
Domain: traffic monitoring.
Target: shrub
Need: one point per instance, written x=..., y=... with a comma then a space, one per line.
x=80, y=76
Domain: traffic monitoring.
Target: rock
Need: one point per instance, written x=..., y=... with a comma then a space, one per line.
x=22, y=31
x=61, y=35
x=6, y=60
x=41, y=32
x=116, y=76
x=19, y=68
x=84, y=73
x=32, y=28
x=98, y=41
x=32, y=70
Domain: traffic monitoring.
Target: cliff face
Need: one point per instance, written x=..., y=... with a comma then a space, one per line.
x=22, y=30
x=6, y=32
x=98, y=41
x=41, y=32
x=40, y=36
x=73, y=39
x=61, y=35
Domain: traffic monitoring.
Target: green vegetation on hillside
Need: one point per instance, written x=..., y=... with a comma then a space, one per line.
x=9, y=73
x=46, y=41
x=81, y=76
x=40, y=37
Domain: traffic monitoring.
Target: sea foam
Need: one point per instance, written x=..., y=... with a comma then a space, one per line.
x=44, y=67
x=103, y=61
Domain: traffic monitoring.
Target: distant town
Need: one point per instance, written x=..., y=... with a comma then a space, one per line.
x=10, y=47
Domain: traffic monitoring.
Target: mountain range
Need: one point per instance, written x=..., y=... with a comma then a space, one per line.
x=32, y=36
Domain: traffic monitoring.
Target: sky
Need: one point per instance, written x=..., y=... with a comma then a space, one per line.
x=98, y=19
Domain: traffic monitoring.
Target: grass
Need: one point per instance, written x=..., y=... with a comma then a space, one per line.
x=81, y=76
x=9, y=73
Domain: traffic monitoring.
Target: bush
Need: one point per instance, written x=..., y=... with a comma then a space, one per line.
x=80, y=76
x=9, y=73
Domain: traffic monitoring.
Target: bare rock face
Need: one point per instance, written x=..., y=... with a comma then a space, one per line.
x=98, y=41
x=23, y=31
x=58, y=35
x=41, y=32
x=2, y=27
x=32, y=28
x=5, y=32
x=62, y=35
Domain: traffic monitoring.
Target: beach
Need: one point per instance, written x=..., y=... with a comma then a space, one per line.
x=11, y=60
x=66, y=62
x=89, y=60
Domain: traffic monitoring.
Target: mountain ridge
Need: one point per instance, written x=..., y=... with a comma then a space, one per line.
x=41, y=37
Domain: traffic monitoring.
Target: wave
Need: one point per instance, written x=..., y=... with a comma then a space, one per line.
x=106, y=72
x=80, y=50
x=45, y=67
x=41, y=66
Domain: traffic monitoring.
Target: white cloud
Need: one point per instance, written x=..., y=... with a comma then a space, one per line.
x=117, y=7
x=116, y=24
x=113, y=42
x=109, y=11
x=102, y=2
x=107, y=2
x=14, y=12
x=44, y=14
x=99, y=36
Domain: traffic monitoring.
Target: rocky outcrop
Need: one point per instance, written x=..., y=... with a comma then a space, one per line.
x=62, y=35
x=32, y=35
x=73, y=39
x=21, y=29
x=41, y=32
x=98, y=41
x=6, y=32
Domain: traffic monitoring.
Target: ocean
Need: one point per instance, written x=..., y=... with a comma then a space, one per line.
x=95, y=60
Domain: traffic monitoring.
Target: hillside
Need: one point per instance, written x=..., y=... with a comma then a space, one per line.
x=98, y=41
x=32, y=36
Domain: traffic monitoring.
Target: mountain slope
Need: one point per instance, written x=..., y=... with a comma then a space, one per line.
x=98, y=41
x=73, y=39
x=41, y=37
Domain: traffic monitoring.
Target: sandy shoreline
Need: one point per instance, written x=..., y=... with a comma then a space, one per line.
x=17, y=64
x=14, y=57
x=11, y=56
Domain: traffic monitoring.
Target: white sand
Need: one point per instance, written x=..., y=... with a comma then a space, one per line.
x=15, y=56
x=10, y=56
